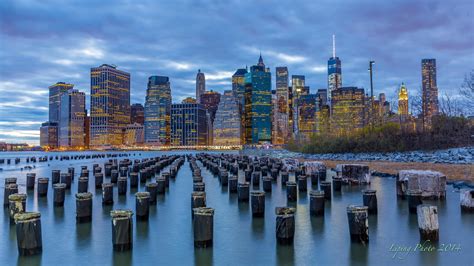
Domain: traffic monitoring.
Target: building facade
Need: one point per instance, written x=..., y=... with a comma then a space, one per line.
x=334, y=71
x=110, y=105
x=281, y=120
x=210, y=100
x=133, y=135
x=258, y=105
x=307, y=110
x=55, y=92
x=137, y=114
x=298, y=88
x=49, y=135
x=430, y=104
x=227, y=124
x=189, y=125
x=200, y=85
x=72, y=112
x=348, y=110
x=158, y=111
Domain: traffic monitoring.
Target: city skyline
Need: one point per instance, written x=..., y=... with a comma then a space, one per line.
x=66, y=51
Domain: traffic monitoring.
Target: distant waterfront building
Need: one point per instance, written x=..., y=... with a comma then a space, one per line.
x=210, y=100
x=200, y=85
x=158, y=111
x=307, y=110
x=49, y=135
x=55, y=92
x=72, y=112
x=334, y=71
x=133, y=135
x=281, y=128
x=238, y=89
x=403, y=102
x=348, y=109
x=429, y=90
x=189, y=125
x=226, y=129
x=258, y=109
x=298, y=89
x=87, y=131
x=137, y=114
x=110, y=105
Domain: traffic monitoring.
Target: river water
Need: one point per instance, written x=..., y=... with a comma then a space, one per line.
x=239, y=239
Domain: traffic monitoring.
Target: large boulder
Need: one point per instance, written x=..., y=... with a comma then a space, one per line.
x=358, y=173
x=431, y=183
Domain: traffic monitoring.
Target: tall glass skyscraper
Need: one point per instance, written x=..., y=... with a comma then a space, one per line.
x=158, y=111
x=298, y=88
x=200, y=85
x=227, y=123
x=430, y=90
x=72, y=113
x=334, y=71
x=55, y=92
x=258, y=105
x=137, y=114
x=281, y=119
x=189, y=125
x=110, y=105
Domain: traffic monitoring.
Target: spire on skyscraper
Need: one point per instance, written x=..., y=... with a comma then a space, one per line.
x=260, y=61
x=333, y=46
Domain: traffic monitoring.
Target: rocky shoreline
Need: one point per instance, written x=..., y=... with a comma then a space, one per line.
x=463, y=155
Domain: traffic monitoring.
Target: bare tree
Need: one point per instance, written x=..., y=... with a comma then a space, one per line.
x=450, y=106
x=467, y=88
x=416, y=103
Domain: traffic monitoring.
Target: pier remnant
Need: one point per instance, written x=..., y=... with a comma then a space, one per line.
x=358, y=223
x=285, y=225
x=28, y=233
x=203, y=227
x=122, y=229
x=428, y=222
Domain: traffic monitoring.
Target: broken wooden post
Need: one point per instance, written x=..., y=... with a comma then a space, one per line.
x=258, y=203
x=369, y=198
x=17, y=204
x=337, y=183
x=10, y=189
x=285, y=225
x=203, y=227
x=59, y=194
x=28, y=233
x=152, y=188
x=122, y=229
x=316, y=202
x=326, y=187
x=428, y=222
x=122, y=185
x=467, y=200
x=142, y=205
x=83, y=207
x=107, y=194
x=267, y=184
x=358, y=223
x=83, y=184
x=243, y=191
x=291, y=191
x=30, y=181
x=42, y=186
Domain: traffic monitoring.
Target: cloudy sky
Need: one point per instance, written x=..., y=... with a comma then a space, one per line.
x=42, y=42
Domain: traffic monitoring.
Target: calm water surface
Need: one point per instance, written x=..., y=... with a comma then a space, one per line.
x=239, y=239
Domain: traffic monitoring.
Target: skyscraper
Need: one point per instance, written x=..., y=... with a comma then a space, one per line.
x=226, y=128
x=49, y=135
x=258, y=109
x=189, y=125
x=348, y=109
x=158, y=111
x=307, y=109
x=334, y=71
x=72, y=112
x=281, y=119
x=137, y=114
x=200, y=85
x=238, y=89
x=430, y=90
x=110, y=105
x=298, y=89
x=210, y=100
x=55, y=92
x=403, y=101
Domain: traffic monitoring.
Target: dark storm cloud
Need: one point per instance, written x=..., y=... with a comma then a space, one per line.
x=42, y=42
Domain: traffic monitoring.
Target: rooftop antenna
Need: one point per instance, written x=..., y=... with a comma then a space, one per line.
x=334, y=46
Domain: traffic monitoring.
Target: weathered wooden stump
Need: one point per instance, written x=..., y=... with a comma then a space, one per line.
x=203, y=227
x=243, y=191
x=291, y=191
x=233, y=181
x=369, y=198
x=316, y=202
x=284, y=178
x=256, y=179
x=28, y=233
x=428, y=222
x=358, y=223
x=10, y=189
x=142, y=205
x=161, y=188
x=17, y=204
x=99, y=180
x=122, y=229
x=66, y=179
x=285, y=225
x=134, y=179
x=152, y=188
x=467, y=200
x=42, y=186
x=107, y=194
x=337, y=183
x=83, y=207
x=257, y=201
x=198, y=199
x=302, y=183
x=30, y=181
x=82, y=184
x=326, y=187
x=267, y=184
x=55, y=177
x=122, y=185
x=59, y=194
x=200, y=187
